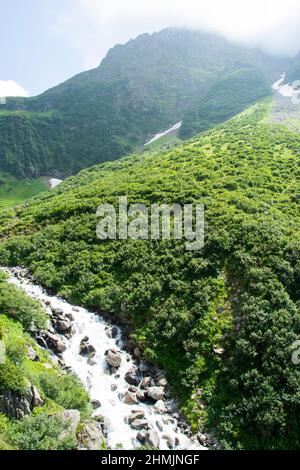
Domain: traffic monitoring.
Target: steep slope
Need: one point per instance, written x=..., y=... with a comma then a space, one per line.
x=139, y=89
x=222, y=320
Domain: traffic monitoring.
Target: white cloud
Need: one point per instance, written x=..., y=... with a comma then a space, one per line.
x=93, y=26
x=11, y=88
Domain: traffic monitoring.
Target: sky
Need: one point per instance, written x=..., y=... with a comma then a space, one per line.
x=44, y=42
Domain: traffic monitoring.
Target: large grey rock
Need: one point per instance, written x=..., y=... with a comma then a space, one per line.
x=160, y=407
x=113, y=358
x=86, y=349
x=36, y=400
x=139, y=424
x=130, y=398
x=55, y=342
x=91, y=437
x=152, y=439
x=136, y=415
x=15, y=406
x=156, y=393
x=132, y=376
x=63, y=326
x=72, y=419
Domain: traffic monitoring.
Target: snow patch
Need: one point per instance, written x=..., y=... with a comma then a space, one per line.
x=162, y=134
x=54, y=182
x=288, y=90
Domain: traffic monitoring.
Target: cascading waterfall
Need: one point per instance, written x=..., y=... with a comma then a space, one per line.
x=105, y=386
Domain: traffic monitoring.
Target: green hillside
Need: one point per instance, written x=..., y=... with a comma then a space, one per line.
x=139, y=89
x=14, y=192
x=222, y=320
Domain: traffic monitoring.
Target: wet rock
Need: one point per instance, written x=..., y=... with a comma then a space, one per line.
x=90, y=437
x=86, y=349
x=114, y=387
x=162, y=382
x=170, y=441
x=113, y=358
x=63, y=326
x=57, y=311
x=156, y=393
x=202, y=438
x=112, y=332
x=141, y=437
x=136, y=415
x=141, y=395
x=130, y=398
x=75, y=309
x=160, y=407
x=55, y=342
x=132, y=377
x=145, y=382
x=72, y=420
x=96, y=404
x=159, y=426
x=152, y=439
x=139, y=424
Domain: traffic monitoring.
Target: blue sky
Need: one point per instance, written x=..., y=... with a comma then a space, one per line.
x=44, y=42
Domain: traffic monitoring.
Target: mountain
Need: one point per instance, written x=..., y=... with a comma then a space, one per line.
x=221, y=321
x=139, y=89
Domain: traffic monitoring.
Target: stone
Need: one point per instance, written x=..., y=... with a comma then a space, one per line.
x=32, y=355
x=170, y=441
x=132, y=377
x=136, y=415
x=91, y=437
x=96, y=404
x=86, y=349
x=72, y=419
x=63, y=326
x=114, y=387
x=130, y=398
x=162, y=382
x=152, y=439
x=36, y=400
x=141, y=395
x=160, y=407
x=113, y=358
x=141, y=437
x=145, y=382
x=55, y=342
x=112, y=332
x=139, y=424
x=159, y=426
x=156, y=393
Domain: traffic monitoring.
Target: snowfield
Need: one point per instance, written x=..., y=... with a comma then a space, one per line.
x=162, y=134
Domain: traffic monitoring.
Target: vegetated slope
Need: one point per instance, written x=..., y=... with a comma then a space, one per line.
x=294, y=71
x=34, y=391
x=222, y=320
x=139, y=89
x=14, y=192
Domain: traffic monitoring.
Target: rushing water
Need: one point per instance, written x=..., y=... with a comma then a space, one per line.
x=106, y=388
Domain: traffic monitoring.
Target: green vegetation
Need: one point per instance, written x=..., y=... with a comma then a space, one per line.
x=14, y=192
x=139, y=89
x=222, y=320
x=59, y=390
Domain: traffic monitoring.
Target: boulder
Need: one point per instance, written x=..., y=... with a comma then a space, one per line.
x=136, y=415
x=86, y=349
x=113, y=358
x=160, y=407
x=32, y=355
x=63, y=326
x=132, y=377
x=156, y=393
x=96, y=404
x=112, y=332
x=139, y=424
x=55, y=342
x=90, y=437
x=145, y=382
x=141, y=437
x=152, y=439
x=141, y=395
x=36, y=400
x=130, y=398
x=15, y=406
x=72, y=420
x=162, y=382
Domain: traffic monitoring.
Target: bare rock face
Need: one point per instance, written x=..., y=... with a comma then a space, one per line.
x=14, y=406
x=156, y=393
x=113, y=359
x=90, y=437
x=72, y=420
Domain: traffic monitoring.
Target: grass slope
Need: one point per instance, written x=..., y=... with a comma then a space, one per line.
x=14, y=192
x=239, y=294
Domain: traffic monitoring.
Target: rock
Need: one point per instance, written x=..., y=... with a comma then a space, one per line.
x=114, y=387
x=156, y=393
x=63, y=326
x=144, y=368
x=141, y=437
x=139, y=424
x=96, y=404
x=141, y=395
x=90, y=437
x=132, y=377
x=72, y=420
x=32, y=355
x=112, y=332
x=159, y=426
x=159, y=407
x=202, y=438
x=130, y=398
x=162, y=382
x=152, y=439
x=113, y=358
x=70, y=316
x=145, y=382
x=36, y=400
x=75, y=309
x=55, y=342
x=15, y=406
x=136, y=353
x=219, y=351
x=57, y=311
x=86, y=349
x=136, y=415
x=170, y=441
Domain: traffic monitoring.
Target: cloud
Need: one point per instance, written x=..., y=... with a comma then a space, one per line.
x=93, y=26
x=11, y=88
